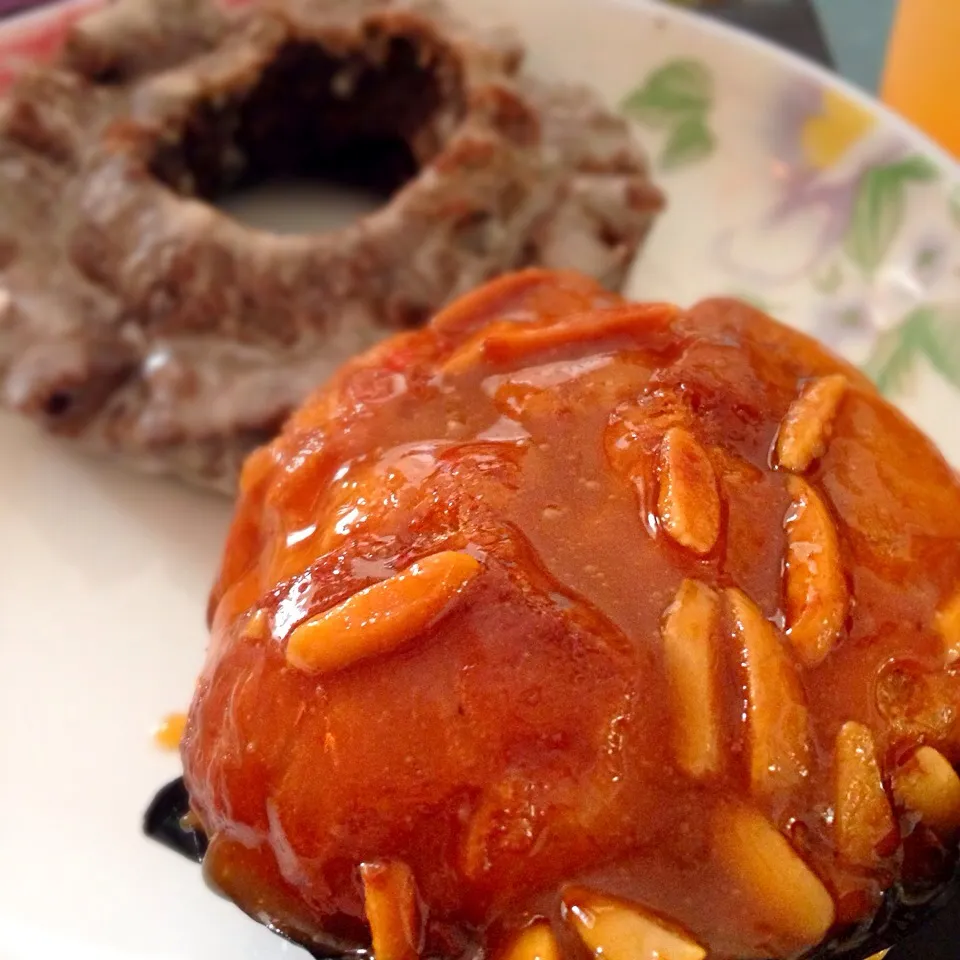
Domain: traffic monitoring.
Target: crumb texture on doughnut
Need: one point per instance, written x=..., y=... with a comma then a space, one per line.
x=526, y=646
x=139, y=319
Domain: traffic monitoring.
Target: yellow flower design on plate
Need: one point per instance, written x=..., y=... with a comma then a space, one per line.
x=828, y=135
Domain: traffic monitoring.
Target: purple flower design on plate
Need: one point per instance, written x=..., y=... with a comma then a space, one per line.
x=811, y=132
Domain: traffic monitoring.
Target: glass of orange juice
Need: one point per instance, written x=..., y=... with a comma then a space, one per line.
x=923, y=68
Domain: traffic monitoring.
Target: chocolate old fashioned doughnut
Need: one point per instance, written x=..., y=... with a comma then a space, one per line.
x=138, y=318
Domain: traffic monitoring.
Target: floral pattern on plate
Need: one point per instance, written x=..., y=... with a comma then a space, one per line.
x=856, y=216
x=678, y=99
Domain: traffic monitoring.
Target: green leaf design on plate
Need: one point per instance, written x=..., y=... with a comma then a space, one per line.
x=677, y=98
x=916, y=168
x=879, y=209
x=671, y=93
x=940, y=339
x=953, y=206
x=926, y=258
x=929, y=331
x=690, y=141
x=891, y=362
x=829, y=280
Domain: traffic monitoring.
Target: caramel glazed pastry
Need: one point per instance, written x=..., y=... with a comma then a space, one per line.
x=567, y=625
x=142, y=321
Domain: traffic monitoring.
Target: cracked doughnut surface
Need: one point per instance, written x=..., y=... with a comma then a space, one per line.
x=526, y=640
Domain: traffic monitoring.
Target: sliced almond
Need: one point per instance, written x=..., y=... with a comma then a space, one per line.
x=688, y=505
x=814, y=584
x=390, y=903
x=506, y=342
x=947, y=623
x=689, y=631
x=533, y=292
x=256, y=626
x=779, y=885
x=535, y=942
x=777, y=725
x=521, y=341
x=863, y=817
x=382, y=617
x=806, y=427
x=928, y=785
x=620, y=931
x=472, y=352
x=503, y=827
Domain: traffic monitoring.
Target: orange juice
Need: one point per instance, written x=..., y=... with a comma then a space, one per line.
x=923, y=68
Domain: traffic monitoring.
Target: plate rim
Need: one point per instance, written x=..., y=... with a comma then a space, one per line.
x=731, y=34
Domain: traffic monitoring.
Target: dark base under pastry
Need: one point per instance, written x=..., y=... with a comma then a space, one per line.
x=897, y=920
x=138, y=318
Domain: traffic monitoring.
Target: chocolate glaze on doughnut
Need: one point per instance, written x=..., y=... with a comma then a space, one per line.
x=602, y=617
x=138, y=318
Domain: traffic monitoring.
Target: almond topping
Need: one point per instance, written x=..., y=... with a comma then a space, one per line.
x=534, y=291
x=864, y=820
x=390, y=903
x=535, y=942
x=523, y=340
x=620, y=931
x=382, y=617
x=814, y=584
x=777, y=728
x=472, y=352
x=689, y=505
x=947, y=623
x=780, y=886
x=806, y=427
x=689, y=648
x=505, y=342
x=255, y=627
x=929, y=786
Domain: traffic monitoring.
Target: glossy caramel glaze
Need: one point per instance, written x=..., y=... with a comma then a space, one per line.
x=519, y=742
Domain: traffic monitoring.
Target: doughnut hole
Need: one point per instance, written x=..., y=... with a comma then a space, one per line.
x=366, y=119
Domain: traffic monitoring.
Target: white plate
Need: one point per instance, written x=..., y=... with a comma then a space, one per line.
x=785, y=185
